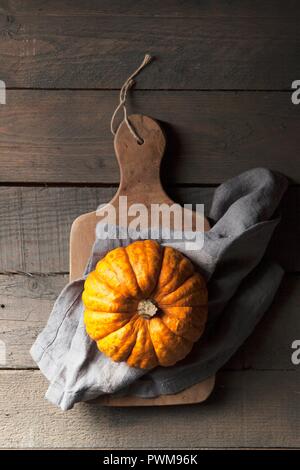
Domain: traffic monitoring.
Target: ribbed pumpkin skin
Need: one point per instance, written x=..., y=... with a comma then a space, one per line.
x=125, y=277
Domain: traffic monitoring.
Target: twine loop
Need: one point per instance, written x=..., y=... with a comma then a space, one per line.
x=122, y=101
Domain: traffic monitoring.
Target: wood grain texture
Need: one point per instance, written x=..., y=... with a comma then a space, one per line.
x=140, y=183
x=64, y=136
x=100, y=50
x=36, y=223
x=269, y=347
x=59, y=136
x=247, y=409
x=25, y=305
x=26, y=302
x=167, y=8
x=139, y=157
x=139, y=164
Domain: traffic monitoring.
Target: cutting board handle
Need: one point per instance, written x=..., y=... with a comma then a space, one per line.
x=140, y=163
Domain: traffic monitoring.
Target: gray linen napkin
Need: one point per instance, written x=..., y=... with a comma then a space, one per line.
x=241, y=288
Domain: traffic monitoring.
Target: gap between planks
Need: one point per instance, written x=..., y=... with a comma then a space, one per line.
x=224, y=135
x=36, y=223
x=27, y=301
x=247, y=409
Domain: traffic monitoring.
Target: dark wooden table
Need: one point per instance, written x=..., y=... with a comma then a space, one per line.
x=221, y=86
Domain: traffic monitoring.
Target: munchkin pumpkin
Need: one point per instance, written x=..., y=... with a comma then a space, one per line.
x=145, y=304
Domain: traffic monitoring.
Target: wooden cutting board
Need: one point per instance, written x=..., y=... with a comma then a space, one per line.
x=140, y=182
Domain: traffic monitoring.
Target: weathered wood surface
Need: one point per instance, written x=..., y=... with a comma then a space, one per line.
x=100, y=50
x=269, y=347
x=36, y=221
x=140, y=182
x=25, y=305
x=64, y=136
x=26, y=302
x=36, y=224
x=247, y=409
x=167, y=8
x=71, y=55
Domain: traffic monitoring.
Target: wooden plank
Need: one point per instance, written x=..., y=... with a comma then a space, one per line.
x=25, y=305
x=247, y=409
x=99, y=50
x=167, y=8
x=26, y=302
x=269, y=347
x=64, y=136
x=36, y=225
x=36, y=222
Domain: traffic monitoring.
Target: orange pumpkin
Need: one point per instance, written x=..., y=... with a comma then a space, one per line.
x=145, y=304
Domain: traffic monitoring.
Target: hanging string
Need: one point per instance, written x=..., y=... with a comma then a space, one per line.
x=122, y=100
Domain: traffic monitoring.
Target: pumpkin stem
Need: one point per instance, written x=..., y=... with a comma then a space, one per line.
x=147, y=308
